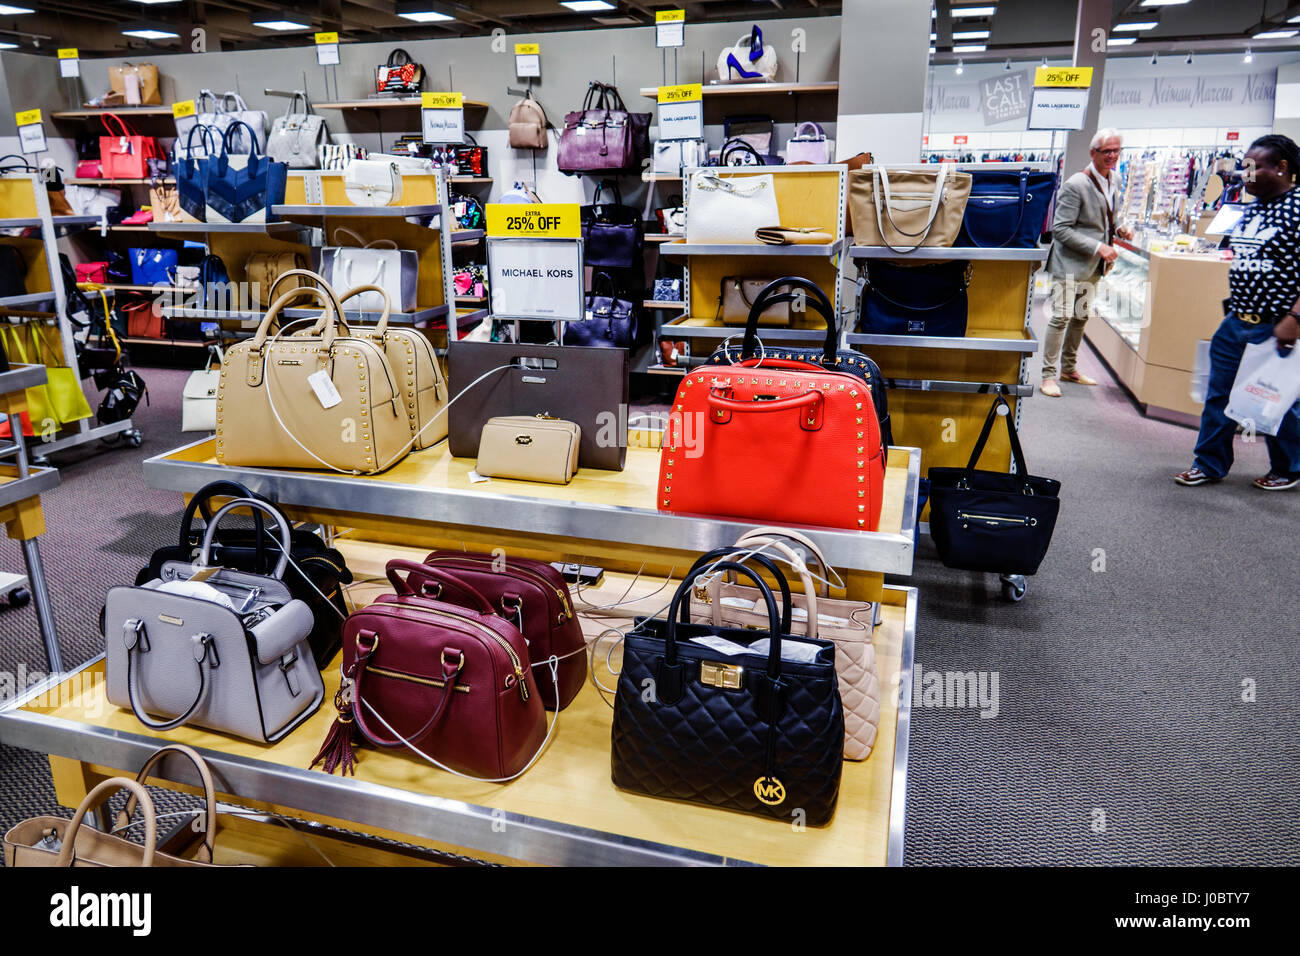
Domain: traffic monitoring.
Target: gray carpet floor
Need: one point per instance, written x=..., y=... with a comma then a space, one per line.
x=1120, y=736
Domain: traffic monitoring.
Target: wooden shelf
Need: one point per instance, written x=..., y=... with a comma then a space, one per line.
x=660, y=304
x=471, y=300
x=120, y=110
x=754, y=89
x=393, y=103
x=469, y=180
x=661, y=237
x=117, y=182
x=660, y=178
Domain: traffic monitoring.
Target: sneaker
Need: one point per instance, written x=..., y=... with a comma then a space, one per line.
x=1078, y=378
x=1193, y=477
x=1050, y=388
x=1275, y=482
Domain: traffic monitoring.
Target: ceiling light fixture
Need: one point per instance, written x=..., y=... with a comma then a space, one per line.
x=6, y=45
x=969, y=48
x=1164, y=3
x=148, y=31
x=1135, y=25
x=8, y=11
x=153, y=2
x=587, y=6
x=1276, y=34
x=422, y=12
x=1121, y=41
x=280, y=21
x=1249, y=57
x=971, y=35
x=960, y=67
x=972, y=12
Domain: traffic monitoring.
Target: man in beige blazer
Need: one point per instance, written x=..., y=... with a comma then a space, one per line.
x=1087, y=221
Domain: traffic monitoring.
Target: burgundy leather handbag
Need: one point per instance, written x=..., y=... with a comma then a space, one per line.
x=603, y=135
x=449, y=681
x=534, y=596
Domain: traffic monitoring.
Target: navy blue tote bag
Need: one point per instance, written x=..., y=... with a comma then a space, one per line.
x=927, y=299
x=1006, y=209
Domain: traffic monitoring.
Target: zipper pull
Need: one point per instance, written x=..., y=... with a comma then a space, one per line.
x=523, y=684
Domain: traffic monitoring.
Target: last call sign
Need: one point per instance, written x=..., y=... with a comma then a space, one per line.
x=1005, y=97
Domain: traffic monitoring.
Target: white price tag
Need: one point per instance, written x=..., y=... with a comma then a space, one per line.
x=32, y=138
x=681, y=120
x=443, y=126
x=324, y=388
x=327, y=54
x=69, y=68
x=670, y=28
x=528, y=66
x=475, y=478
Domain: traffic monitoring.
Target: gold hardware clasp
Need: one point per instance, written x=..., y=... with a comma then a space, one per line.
x=727, y=676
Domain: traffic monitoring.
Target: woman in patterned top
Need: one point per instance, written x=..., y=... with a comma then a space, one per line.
x=1264, y=283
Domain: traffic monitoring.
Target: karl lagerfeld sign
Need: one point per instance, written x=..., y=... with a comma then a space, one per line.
x=1005, y=97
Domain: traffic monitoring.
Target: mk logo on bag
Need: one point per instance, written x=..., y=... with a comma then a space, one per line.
x=770, y=790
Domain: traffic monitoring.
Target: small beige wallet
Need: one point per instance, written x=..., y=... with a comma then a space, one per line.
x=529, y=448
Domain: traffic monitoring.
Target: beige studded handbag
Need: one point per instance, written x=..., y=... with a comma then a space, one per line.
x=317, y=401
x=847, y=624
x=420, y=379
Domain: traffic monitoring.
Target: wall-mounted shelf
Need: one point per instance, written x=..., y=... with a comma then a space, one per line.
x=975, y=340
x=822, y=250
x=119, y=110
x=118, y=182
x=700, y=327
x=661, y=237
x=471, y=300
x=23, y=301
x=200, y=228
x=391, y=103
x=164, y=343
x=660, y=178
x=658, y=304
x=754, y=89
x=360, y=212
x=950, y=252
x=467, y=235
x=63, y=225
x=469, y=180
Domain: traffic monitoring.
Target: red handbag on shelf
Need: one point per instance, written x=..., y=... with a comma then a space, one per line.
x=89, y=169
x=125, y=155
x=450, y=681
x=775, y=440
x=535, y=597
x=92, y=272
x=143, y=321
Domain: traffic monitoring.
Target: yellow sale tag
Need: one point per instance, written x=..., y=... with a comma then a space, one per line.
x=442, y=101
x=323, y=38
x=1079, y=77
x=524, y=49
x=507, y=220
x=183, y=109
x=686, y=93
x=668, y=16
x=27, y=117
x=69, y=54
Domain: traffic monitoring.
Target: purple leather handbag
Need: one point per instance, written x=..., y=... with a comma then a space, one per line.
x=603, y=135
x=610, y=322
x=611, y=232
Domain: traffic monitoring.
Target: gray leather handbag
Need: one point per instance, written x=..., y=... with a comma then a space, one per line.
x=296, y=136
x=214, y=647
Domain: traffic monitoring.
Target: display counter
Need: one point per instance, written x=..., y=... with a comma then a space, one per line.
x=1153, y=308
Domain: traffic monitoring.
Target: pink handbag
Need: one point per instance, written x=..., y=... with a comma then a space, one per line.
x=90, y=169
x=809, y=145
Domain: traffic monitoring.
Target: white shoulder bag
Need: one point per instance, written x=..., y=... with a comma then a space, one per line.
x=729, y=209
x=379, y=263
x=199, y=397
x=372, y=182
x=296, y=135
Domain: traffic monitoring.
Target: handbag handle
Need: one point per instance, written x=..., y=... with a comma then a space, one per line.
x=361, y=243
x=293, y=100
x=613, y=187
x=724, y=408
x=1017, y=453
x=809, y=588
x=766, y=534
x=126, y=130
x=881, y=178
x=398, y=57
x=596, y=277
x=232, y=96
x=738, y=145
x=101, y=792
x=203, y=97
x=967, y=273
x=209, y=794
x=773, y=621
x=137, y=640
x=327, y=299
x=200, y=502
x=320, y=282
x=381, y=327
x=734, y=554
x=253, y=154
x=771, y=294
x=424, y=581
x=1024, y=202
x=593, y=88
x=816, y=128
x=286, y=536
x=209, y=146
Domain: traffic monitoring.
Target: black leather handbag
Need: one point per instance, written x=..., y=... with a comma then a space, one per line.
x=13, y=272
x=923, y=299
x=610, y=322
x=830, y=356
x=611, y=232
x=749, y=731
x=319, y=583
x=990, y=521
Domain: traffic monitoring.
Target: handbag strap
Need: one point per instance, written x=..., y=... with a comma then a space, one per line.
x=764, y=534
x=967, y=273
x=253, y=154
x=450, y=676
x=1024, y=203
x=1017, y=453
x=399, y=57
x=126, y=130
x=101, y=792
x=137, y=642
x=596, y=277
x=783, y=550
x=422, y=580
x=739, y=556
x=881, y=177
x=738, y=145
x=671, y=662
x=381, y=327
x=231, y=96
x=200, y=503
x=613, y=187
x=361, y=243
x=771, y=294
x=818, y=132
x=205, y=96
x=209, y=794
x=286, y=536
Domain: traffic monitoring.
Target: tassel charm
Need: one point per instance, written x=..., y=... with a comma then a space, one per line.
x=338, y=751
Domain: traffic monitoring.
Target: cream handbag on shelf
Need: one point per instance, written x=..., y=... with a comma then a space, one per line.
x=199, y=397
x=423, y=387
x=372, y=182
x=847, y=624
x=729, y=209
x=318, y=401
x=748, y=59
x=905, y=209
x=529, y=448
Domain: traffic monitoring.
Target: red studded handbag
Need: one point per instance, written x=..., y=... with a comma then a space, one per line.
x=775, y=440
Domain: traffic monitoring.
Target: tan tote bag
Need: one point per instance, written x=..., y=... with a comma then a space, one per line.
x=274, y=409
x=130, y=79
x=905, y=208
x=847, y=624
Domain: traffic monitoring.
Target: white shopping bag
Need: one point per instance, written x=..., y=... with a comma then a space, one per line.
x=1200, y=383
x=1267, y=385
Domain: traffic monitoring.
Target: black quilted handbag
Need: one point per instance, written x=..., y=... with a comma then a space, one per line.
x=830, y=356
x=748, y=731
x=315, y=576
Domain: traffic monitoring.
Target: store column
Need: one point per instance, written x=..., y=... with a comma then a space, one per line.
x=884, y=56
x=1089, y=50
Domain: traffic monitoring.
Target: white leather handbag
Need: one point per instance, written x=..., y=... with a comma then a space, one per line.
x=372, y=182
x=748, y=59
x=809, y=144
x=235, y=110
x=199, y=396
x=213, y=647
x=674, y=155
x=378, y=263
x=729, y=209
x=297, y=135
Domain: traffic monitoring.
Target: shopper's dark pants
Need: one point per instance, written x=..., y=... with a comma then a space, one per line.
x=1214, y=444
